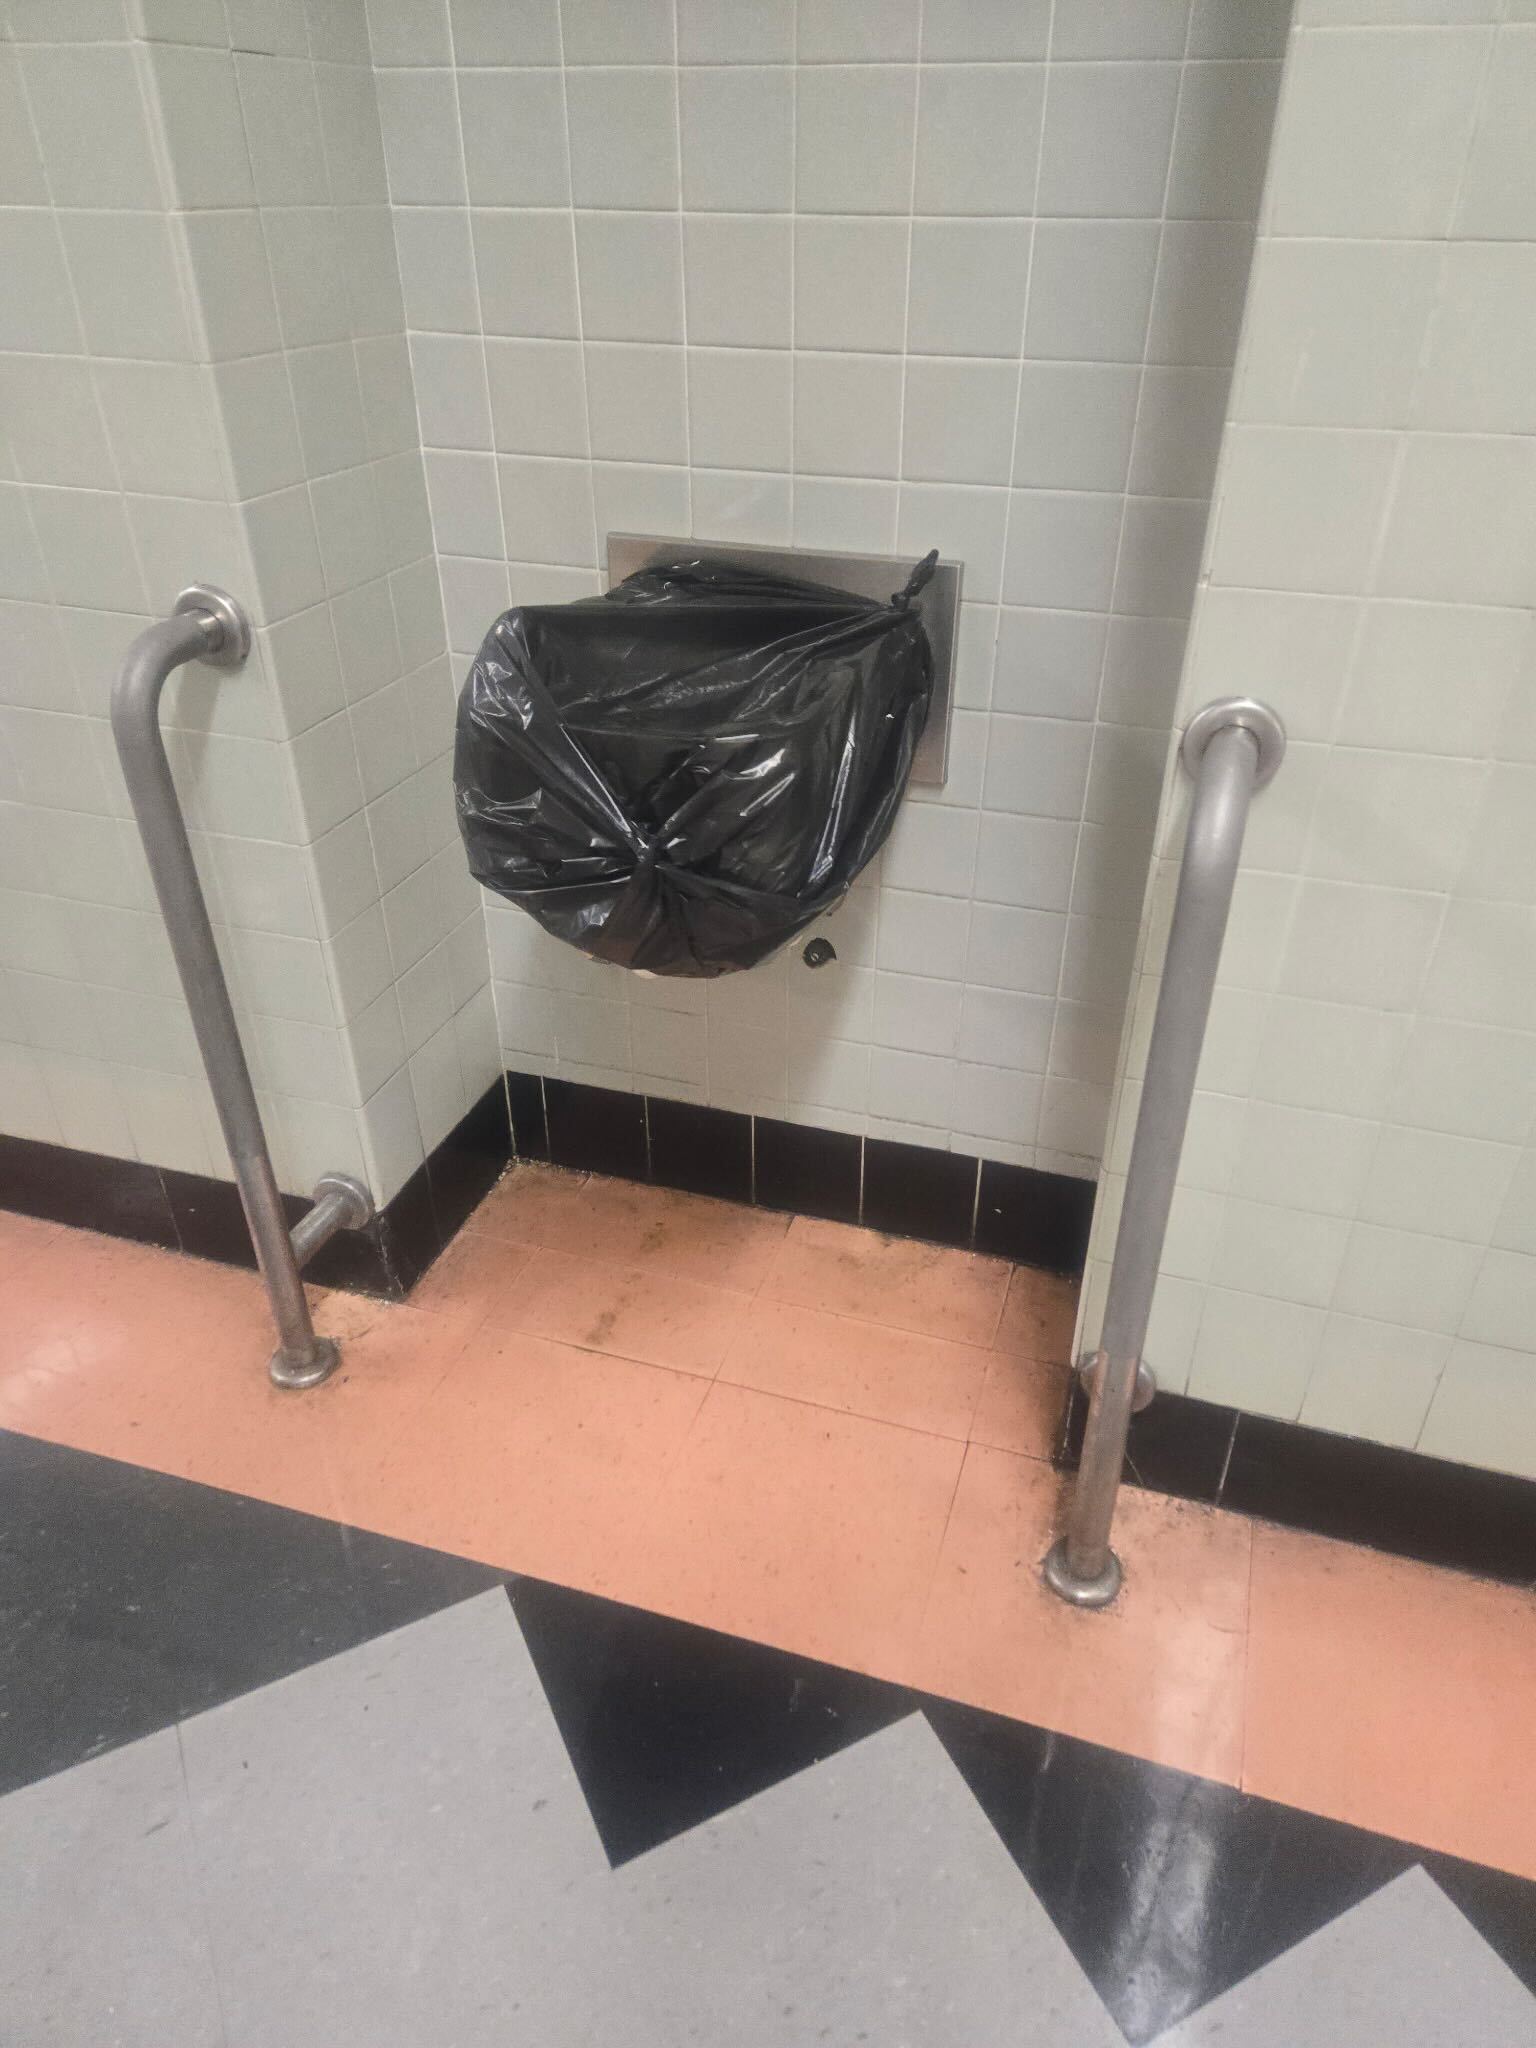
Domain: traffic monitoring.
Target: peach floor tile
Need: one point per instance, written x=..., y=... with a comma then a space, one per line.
x=862, y=1368
x=1021, y=1405
x=476, y=1274
x=1394, y=1696
x=531, y=1204
x=892, y=1280
x=536, y=1457
x=634, y=1311
x=801, y=1527
x=1159, y=1675
x=720, y=1244
x=22, y=1234
x=1038, y=1316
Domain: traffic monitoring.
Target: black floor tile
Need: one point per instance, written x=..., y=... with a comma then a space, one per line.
x=129, y=1600
x=1176, y=1445
x=812, y=1172
x=668, y=1724
x=912, y=1191
x=599, y=1130
x=1388, y=1499
x=706, y=1151
x=1035, y=1218
x=1168, y=1888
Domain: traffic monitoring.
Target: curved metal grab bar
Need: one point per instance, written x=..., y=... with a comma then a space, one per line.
x=208, y=625
x=1232, y=748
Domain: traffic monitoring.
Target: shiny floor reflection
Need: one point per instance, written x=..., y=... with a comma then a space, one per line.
x=524, y=1812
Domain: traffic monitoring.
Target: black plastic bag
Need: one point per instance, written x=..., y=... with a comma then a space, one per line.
x=682, y=774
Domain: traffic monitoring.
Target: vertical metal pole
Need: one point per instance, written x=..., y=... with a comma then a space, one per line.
x=210, y=626
x=1231, y=748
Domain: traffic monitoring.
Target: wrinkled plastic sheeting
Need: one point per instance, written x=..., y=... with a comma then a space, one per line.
x=682, y=774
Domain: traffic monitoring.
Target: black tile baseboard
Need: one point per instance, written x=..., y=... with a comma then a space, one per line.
x=1011, y=1212
x=809, y=1172
x=705, y=1151
x=202, y=1216
x=910, y=1191
x=1034, y=1218
x=1388, y=1499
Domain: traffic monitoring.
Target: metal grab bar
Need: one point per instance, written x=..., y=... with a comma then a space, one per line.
x=208, y=625
x=1232, y=748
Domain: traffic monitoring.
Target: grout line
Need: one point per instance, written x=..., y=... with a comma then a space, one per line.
x=682, y=275
x=570, y=210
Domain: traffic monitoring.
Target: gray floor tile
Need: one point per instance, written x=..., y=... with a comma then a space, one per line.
x=1402, y=1969
x=387, y=1840
x=867, y=1900
x=101, y=1935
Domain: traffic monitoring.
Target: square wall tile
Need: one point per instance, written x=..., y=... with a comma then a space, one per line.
x=1075, y=422
x=525, y=264
x=967, y=287
x=1061, y=549
x=978, y=138
x=850, y=284
x=1337, y=332
x=737, y=280
x=1090, y=290
x=1463, y=520
x=631, y=276
x=514, y=126
x=74, y=90
x=1496, y=195
x=1108, y=134
x=636, y=402
x=958, y=420
x=538, y=396
x=739, y=407
x=1482, y=1412
x=623, y=127
x=128, y=282
x=547, y=510
x=834, y=103
x=848, y=415
x=1476, y=377
x=1376, y=129
x=1300, y=509
x=738, y=139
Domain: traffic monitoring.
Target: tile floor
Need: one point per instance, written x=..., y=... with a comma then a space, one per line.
x=809, y=1435
x=271, y=1779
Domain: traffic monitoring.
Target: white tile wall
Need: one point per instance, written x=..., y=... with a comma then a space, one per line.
x=1355, y=1239
x=207, y=376
x=864, y=277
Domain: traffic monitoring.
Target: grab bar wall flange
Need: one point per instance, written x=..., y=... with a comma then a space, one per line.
x=1231, y=748
x=207, y=624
